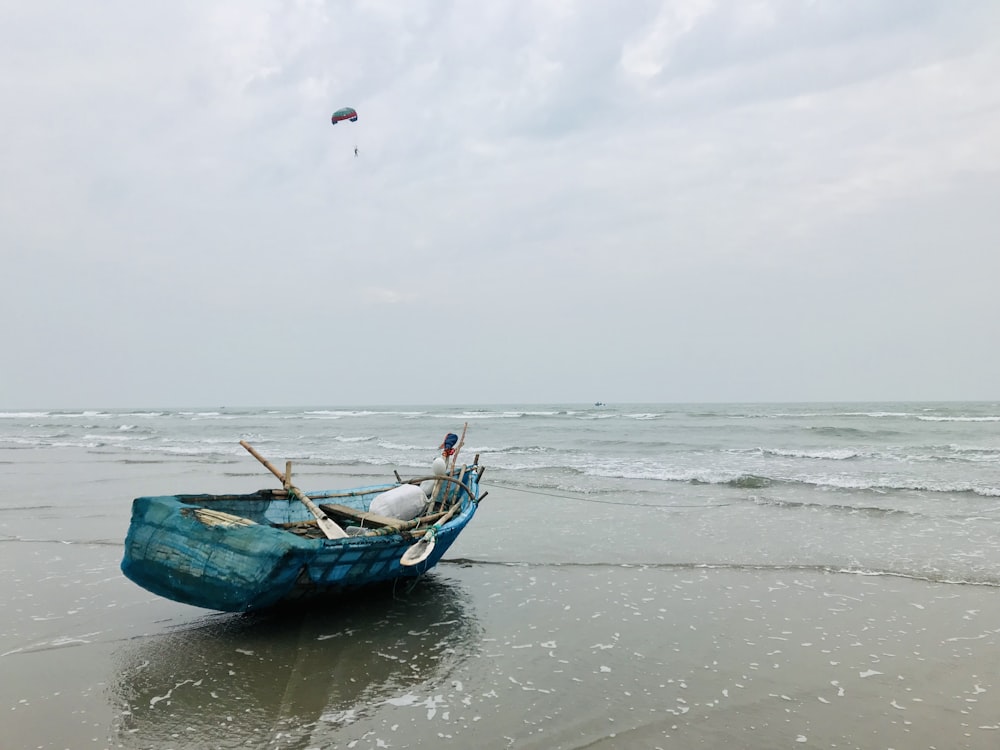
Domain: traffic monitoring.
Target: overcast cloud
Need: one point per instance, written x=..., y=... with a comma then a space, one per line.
x=552, y=202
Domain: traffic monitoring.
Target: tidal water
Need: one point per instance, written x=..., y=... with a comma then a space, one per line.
x=639, y=576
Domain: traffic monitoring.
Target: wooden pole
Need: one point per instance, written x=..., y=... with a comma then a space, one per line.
x=445, y=491
x=328, y=527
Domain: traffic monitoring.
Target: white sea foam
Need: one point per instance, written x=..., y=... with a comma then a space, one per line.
x=514, y=449
x=463, y=416
x=56, y=415
x=340, y=413
x=835, y=414
x=401, y=446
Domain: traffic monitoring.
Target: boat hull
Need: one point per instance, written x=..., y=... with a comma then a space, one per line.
x=228, y=553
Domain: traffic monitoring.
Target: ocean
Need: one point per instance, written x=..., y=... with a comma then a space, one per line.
x=638, y=576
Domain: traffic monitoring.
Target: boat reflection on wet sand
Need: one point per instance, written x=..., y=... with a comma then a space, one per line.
x=239, y=680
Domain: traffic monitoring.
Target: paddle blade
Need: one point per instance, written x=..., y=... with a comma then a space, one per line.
x=419, y=552
x=330, y=529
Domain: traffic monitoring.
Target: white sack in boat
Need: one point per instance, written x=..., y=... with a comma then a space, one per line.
x=405, y=502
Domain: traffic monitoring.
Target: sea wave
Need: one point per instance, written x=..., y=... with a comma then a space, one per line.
x=515, y=450
x=494, y=415
x=820, y=568
x=53, y=414
x=764, y=413
x=118, y=439
x=749, y=480
x=340, y=413
x=990, y=418
x=558, y=477
x=389, y=445
x=989, y=452
x=834, y=454
x=27, y=442
x=873, y=510
x=851, y=432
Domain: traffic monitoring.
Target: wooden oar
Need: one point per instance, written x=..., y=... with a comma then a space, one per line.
x=420, y=551
x=328, y=527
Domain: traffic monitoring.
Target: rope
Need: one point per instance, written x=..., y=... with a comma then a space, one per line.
x=601, y=502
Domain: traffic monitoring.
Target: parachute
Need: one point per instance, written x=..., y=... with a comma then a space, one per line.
x=347, y=113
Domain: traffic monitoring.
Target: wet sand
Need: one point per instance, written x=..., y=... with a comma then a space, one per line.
x=510, y=649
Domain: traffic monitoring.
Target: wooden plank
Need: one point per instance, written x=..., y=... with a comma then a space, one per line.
x=211, y=517
x=407, y=528
x=331, y=494
x=353, y=514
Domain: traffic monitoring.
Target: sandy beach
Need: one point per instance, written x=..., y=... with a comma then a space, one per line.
x=503, y=646
x=499, y=656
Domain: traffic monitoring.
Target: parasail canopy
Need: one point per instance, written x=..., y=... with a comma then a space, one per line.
x=347, y=113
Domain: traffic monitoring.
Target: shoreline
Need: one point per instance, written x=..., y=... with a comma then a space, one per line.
x=693, y=615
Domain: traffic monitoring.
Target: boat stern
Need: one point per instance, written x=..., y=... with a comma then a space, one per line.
x=210, y=559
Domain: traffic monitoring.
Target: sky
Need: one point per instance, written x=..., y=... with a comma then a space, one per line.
x=551, y=202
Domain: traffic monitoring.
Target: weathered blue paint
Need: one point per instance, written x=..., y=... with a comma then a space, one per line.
x=179, y=553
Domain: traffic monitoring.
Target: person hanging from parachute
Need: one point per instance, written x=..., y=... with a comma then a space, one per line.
x=346, y=113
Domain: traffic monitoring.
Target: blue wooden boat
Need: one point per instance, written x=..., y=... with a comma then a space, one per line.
x=239, y=553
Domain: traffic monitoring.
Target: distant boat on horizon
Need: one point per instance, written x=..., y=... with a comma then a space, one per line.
x=599, y=403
